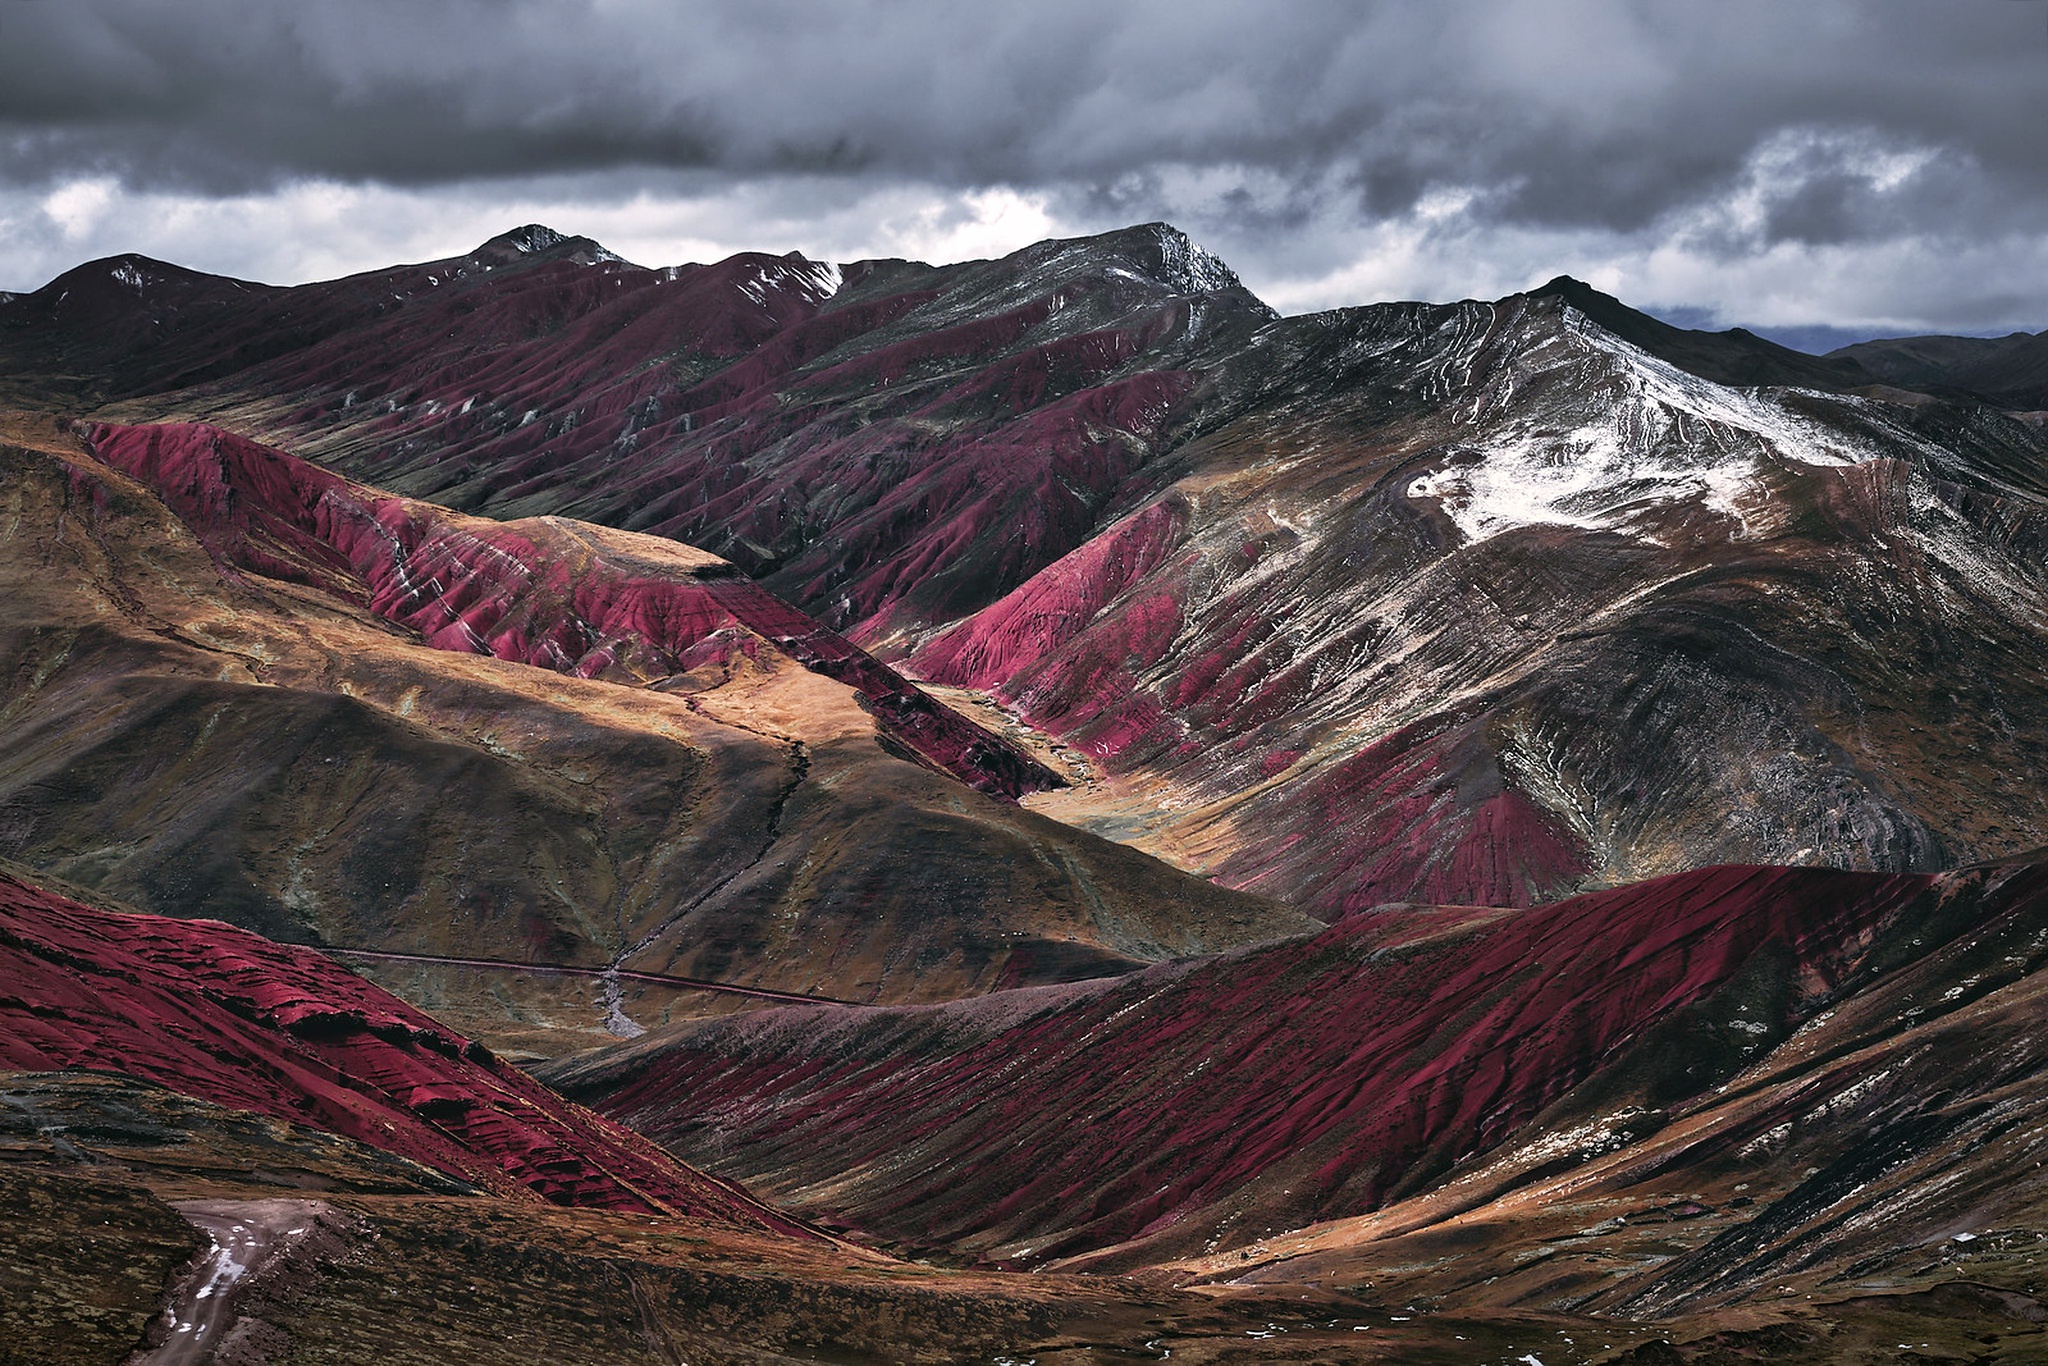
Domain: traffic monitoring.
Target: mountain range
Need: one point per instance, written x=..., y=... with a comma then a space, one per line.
x=1408, y=833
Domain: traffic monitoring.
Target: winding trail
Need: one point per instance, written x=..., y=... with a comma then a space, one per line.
x=248, y=1235
x=553, y=970
x=614, y=997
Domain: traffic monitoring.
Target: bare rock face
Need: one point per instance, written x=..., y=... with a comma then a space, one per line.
x=883, y=443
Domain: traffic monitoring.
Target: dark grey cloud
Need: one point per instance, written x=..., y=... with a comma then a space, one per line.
x=1607, y=113
x=1285, y=132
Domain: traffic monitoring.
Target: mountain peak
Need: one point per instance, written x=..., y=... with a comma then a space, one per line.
x=1174, y=259
x=1736, y=356
x=132, y=270
x=530, y=237
x=538, y=239
x=1586, y=298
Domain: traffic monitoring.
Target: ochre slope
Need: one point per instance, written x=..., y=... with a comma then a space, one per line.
x=1208, y=1104
x=548, y=592
x=193, y=735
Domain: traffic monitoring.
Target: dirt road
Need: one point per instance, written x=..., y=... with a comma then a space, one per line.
x=248, y=1236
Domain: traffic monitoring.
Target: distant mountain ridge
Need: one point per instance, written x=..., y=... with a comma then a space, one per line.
x=2009, y=371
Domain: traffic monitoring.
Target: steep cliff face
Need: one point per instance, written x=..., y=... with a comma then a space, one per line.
x=279, y=705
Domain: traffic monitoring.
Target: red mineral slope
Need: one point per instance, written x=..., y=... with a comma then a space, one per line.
x=885, y=443
x=1894, y=1141
x=1483, y=603
x=232, y=1018
x=1480, y=602
x=194, y=731
x=543, y=591
x=1213, y=1102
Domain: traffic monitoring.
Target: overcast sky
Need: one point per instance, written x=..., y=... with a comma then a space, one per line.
x=1880, y=166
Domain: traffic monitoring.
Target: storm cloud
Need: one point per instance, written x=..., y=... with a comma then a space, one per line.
x=1868, y=163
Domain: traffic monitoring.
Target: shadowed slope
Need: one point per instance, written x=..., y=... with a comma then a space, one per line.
x=2011, y=371
x=1893, y=1142
x=341, y=1153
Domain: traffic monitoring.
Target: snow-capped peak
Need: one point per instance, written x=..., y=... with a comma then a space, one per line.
x=1659, y=436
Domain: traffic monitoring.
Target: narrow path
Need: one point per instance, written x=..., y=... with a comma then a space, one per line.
x=614, y=997
x=553, y=970
x=201, y=1306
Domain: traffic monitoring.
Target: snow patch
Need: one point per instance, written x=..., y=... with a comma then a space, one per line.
x=533, y=237
x=815, y=280
x=1190, y=268
x=1664, y=437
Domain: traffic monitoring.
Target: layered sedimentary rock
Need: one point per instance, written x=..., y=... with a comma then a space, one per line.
x=1387, y=611
x=549, y=592
x=1891, y=1143
x=221, y=1014
x=223, y=1148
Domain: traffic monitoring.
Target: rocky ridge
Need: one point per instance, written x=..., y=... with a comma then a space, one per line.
x=1479, y=602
